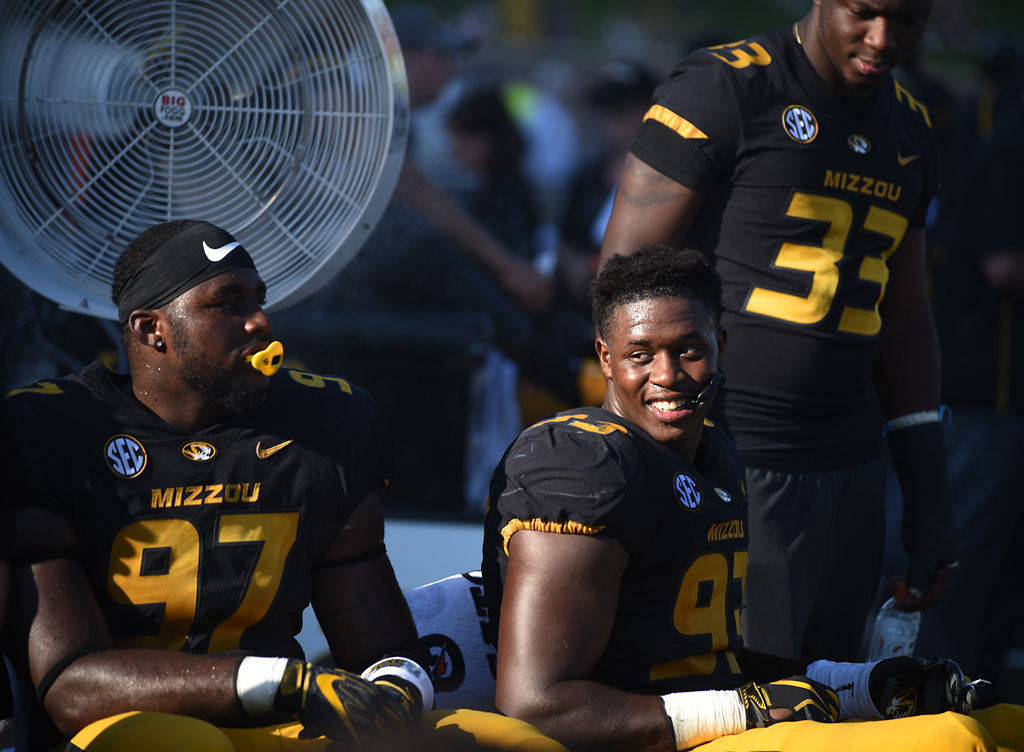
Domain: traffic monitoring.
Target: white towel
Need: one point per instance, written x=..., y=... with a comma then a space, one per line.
x=452, y=620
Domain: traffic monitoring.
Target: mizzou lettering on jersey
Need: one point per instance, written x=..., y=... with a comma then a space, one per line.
x=730, y=529
x=214, y=493
x=846, y=181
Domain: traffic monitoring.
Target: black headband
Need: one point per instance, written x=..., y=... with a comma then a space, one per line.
x=195, y=254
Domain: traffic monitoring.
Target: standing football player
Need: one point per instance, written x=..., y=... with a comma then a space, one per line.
x=805, y=170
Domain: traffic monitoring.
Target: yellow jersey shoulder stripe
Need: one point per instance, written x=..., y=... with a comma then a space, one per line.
x=680, y=125
x=570, y=527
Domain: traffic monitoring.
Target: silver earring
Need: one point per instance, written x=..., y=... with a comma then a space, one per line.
x=160, y=345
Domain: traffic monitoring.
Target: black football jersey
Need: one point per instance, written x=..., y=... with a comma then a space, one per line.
x=806, y=196
x=590, y=472
x=201, y=541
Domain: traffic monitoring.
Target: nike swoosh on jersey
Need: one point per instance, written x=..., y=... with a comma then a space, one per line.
x=271, y=450
x=218, y=254
x=904, y=161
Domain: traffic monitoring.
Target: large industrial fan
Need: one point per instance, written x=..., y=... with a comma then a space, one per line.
x=283, y=121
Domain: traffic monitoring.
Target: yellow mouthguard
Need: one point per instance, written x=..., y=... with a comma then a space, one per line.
x=268, y=360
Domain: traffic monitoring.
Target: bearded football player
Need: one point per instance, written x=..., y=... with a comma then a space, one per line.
x=182, y=517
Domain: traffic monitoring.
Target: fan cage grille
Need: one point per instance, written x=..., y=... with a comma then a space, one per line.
x=283, y=122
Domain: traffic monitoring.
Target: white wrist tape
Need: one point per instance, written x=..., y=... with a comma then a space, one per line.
x=256, y=682
x=850, y=681
x=699, y=717
x=407, y=669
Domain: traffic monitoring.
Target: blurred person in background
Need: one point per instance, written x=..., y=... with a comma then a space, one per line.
x=616, y=102
x=488, y=144
x=449, y=259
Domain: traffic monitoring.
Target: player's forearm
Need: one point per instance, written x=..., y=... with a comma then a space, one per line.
x=358, y=640
x=586, y=715
x=356, y=597
x=907, y=366
x=909, y=387
x=907, y=373
x=108, y=682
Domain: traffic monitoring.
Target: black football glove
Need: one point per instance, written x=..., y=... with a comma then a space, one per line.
x=344, y=707
x=906, y=686
x=794, y=699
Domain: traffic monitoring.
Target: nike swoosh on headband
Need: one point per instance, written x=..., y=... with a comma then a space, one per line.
x=218, y=254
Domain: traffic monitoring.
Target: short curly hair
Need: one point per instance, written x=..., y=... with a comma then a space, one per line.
x=654, y=272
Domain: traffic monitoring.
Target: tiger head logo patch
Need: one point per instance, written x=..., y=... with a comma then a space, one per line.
x=858, y=144
x=902, y=704
x=198, y=451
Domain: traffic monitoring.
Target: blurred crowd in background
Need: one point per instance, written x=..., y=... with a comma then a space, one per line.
x=466, y=312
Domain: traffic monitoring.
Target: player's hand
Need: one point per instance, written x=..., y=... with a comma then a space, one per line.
x=344, y=707
x=794, y=699
x=931, y=545
x=909, y=598
x=906, y=686
x=925, y=582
